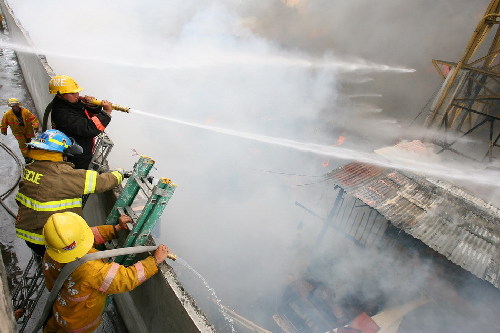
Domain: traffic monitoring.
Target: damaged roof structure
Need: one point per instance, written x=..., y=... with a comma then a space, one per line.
x=453, y=222
x=463, y=121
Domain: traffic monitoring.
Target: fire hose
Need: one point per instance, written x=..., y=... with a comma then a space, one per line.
x=70, y=268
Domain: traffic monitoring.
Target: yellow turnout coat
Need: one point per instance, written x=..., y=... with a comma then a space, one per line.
x=82, y=298
x=23, y=131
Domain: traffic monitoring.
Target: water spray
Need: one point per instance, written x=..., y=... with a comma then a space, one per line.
x=487, y=177
x=225, y=58
x=113, y=106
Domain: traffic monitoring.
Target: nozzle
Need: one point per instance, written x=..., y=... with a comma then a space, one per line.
x=113, y=106
x=172, y=256
x=120, y=108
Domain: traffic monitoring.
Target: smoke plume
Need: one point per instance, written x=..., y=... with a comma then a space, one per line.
x=337, y=73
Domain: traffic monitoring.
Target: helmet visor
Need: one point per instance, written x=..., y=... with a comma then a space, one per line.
x=74, y=149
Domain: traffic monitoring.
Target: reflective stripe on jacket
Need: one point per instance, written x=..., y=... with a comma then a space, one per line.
x=49, y=206
x=82, y=298
x=30, y=236
x=49, y=187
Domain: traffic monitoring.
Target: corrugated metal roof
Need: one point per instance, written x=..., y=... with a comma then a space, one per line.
x=453, y=222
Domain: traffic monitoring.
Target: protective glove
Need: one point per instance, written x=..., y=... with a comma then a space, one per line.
x=120, y=170
x=126, y=174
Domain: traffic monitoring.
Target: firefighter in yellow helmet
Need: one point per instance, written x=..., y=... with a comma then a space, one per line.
x=22, y=122
x=82, y=298
x=75, y=116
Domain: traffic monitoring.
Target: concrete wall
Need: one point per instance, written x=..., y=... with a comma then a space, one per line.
x=7, y=322
x=158, y=305
x=36, y=71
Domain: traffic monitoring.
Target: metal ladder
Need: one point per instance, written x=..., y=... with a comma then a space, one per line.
x=98, y=163
x=157, y=196
x=102, y=148
x=28, y=290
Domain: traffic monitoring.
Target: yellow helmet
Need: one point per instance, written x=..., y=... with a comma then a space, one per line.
x=67, y=237
x=63, y=84
x=13, y=101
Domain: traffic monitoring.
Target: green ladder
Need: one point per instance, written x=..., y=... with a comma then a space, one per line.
x=157, y=196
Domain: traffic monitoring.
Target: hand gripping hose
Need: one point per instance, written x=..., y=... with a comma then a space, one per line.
x=70, y=268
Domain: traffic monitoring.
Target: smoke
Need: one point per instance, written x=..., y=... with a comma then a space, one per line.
x=308, y=71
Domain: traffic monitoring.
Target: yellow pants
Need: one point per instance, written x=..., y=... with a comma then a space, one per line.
x=21, y=140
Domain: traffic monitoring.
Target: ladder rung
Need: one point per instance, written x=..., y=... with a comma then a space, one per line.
x=143, y=185
x=156, y=196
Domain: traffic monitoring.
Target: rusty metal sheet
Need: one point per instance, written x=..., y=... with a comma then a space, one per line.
x=450, y=220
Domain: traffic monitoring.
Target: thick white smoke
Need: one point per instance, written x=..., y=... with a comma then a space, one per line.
x=276, y=68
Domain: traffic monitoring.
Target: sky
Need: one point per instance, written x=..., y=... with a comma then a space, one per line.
x=246, y=105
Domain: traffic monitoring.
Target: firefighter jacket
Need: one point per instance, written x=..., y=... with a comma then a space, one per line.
x=49, y=187
x=22, y=127
x=82, y=298
x=82, y=123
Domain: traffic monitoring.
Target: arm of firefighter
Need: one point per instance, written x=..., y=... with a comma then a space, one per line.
x=74, y=123
x=112, y=278
x=4, y=124
x=108, y=180
x=33, y=120
x=79, y=182
x=92, y=108
x=103, y=233
x=98, y=183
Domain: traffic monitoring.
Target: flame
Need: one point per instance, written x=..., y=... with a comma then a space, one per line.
x=209, y=121
x=325, y=164
x=340, y=140
x=445, y=70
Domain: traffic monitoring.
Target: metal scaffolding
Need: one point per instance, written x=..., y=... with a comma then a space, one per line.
x=467, y=103
x=99, y=162
x=27, y=292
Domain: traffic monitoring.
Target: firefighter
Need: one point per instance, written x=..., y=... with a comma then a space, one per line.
x=22, y=122
x=50, y=185
x=79, y=119
x=81, y=300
